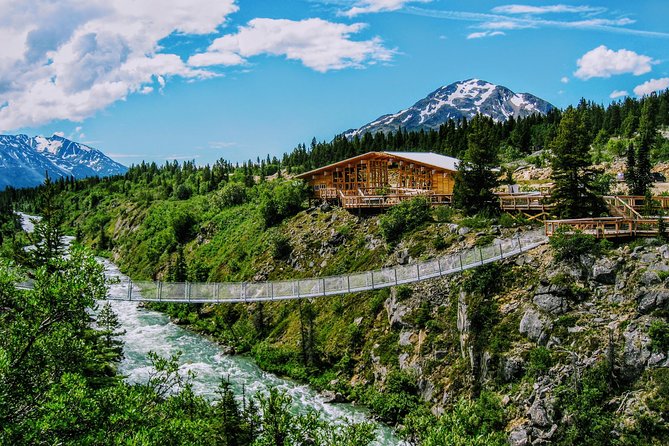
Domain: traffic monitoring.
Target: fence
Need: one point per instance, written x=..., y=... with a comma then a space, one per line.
x=322, y=286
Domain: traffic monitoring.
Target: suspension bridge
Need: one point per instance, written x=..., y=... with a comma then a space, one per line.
x=307, y=288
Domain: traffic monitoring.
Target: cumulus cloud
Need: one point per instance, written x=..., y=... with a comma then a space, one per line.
x=564, y=79
x=651, y=86
x=603, y=62
x=527, y=9
x=318, y=44
x=615, y=94
x=370, y=6
x=71, y=58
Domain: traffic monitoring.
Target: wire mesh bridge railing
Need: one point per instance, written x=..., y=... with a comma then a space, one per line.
x=219, y=293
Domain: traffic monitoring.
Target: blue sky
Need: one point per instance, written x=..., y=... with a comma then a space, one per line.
x=236, y=79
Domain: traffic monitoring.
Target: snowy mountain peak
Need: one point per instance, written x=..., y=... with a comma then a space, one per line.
x=459, y=100
x=25, y=160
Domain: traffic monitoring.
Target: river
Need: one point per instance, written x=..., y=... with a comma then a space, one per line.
x=147, y=330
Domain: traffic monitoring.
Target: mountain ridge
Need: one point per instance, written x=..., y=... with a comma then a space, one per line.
x=462, y=99
x=26, y=160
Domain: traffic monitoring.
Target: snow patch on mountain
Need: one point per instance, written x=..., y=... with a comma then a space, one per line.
x=459, y=100
x=24, y=160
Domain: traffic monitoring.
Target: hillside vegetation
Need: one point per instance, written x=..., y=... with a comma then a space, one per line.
x=566, y=344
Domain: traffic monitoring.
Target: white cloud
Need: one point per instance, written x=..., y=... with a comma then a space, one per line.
x=527, y=9
x=370, y=6
x=603, y=62
x=651, y=86
x=71, y=58
x=318, y=44
x=479, y=35
x=615, y=94
x=564, y=79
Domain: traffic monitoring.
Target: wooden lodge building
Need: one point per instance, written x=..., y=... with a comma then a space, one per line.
x=383, y=179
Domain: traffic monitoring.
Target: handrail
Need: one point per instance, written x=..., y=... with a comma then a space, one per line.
x=247, y=292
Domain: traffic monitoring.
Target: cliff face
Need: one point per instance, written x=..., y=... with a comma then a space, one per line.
x=572, y=349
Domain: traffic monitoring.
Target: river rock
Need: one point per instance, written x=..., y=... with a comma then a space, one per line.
x=333, y=397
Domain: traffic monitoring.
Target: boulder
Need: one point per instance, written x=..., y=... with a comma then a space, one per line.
x=604, y=271
x=541, y=413
x=664, y=251
x=652, y=299
x=534, y=326
x=519, y=437
x=636, y=352
x=396, y=311
x=551, y=303
x=463, y=231
x=650, y=278
x=512, y=368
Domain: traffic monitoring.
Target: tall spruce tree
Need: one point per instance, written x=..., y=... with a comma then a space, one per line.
x=645, y=140
x=630, y=172
x=47, y=234
x=573, y=175
x=475, y=179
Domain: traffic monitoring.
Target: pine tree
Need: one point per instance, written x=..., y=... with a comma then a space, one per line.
x=47, y=234
x=108, y=323
x=645, y=140
x=630, y=173
x=475, y=179
x=573, y=176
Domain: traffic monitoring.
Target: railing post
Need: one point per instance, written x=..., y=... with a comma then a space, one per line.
x=297, y=284
x=271, y=290
x=371, y=273
x=217, y=292
x=348, y=282
x=244, y=291
x=395, y=271
x=439, y=266
x=323, y=282
x=129, y=289
x=501, y=252
x=460, y=257
x=418, y=271
x=160, y=291
x=187, y=291
x=481, y=255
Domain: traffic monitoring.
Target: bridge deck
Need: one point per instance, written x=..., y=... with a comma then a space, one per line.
x=319, y=286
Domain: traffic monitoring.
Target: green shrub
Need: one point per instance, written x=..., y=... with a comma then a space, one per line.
x=570, y=246
x=540, y=362
x=280, y=246
x=403, y=218
x=183, y=192
x=183, y=225
x=232, y=194
x=478, y=221
x=659, y=336
x=399, y=397
x=444, y=214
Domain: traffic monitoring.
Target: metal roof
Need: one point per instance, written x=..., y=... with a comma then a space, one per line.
x=425, y=158
x=430, y=158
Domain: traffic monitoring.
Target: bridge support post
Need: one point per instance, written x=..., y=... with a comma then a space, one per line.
x=501, y=253
x=271, y=290
x=395, y=271
x=418, y=271
x=217, y=292
x=348, y=282
x=160, y=291
x=323, y=283
x=129, y=289
x=439, y=266
x=187, y=291
x=481, y=255
x=371, y=273
x=460, y=257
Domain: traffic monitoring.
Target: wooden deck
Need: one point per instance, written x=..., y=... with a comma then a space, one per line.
x=606, y=227
x=380, y=199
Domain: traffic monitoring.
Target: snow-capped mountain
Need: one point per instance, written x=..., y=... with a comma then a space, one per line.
x=455, y=101
x=25, y=160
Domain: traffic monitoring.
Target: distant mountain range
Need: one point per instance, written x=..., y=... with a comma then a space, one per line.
x=458, y=100
x=25, y=160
